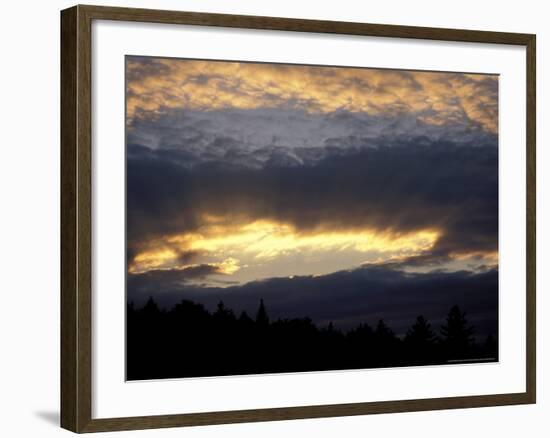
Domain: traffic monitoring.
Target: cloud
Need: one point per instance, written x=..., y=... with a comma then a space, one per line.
x=181, y=275
x=160, y=84
x=254, y=136
x=346, y=297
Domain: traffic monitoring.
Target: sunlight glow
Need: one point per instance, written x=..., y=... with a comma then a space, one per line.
x=265, y=240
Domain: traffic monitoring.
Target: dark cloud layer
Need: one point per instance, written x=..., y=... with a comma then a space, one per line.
x=347, y=298
x=404, y=186
x=174, y=277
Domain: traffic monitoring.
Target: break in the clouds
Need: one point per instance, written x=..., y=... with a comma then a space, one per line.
x=352, y=207
x=285, y=178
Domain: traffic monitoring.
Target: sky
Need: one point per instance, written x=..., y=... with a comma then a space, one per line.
x=343, y=194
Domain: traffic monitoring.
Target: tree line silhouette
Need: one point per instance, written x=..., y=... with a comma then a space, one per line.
x=190, y=341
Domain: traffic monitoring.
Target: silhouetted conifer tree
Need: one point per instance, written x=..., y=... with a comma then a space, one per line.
x=457, y=334
x=383, y=333
x=421, y=333
x=363, y=331
x=245, y=319
x=151, y=307
x=261, y=316
x=420, y=342
x=222, y=313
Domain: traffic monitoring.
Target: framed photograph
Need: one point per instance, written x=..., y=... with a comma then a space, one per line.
x=269, y=218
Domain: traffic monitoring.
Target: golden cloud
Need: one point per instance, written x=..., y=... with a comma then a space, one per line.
x=436, y=98
x=264, y=241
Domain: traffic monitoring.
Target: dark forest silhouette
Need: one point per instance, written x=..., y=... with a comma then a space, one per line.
x=190, y=341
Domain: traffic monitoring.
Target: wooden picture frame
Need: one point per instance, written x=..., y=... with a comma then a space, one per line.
x=76, y=218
